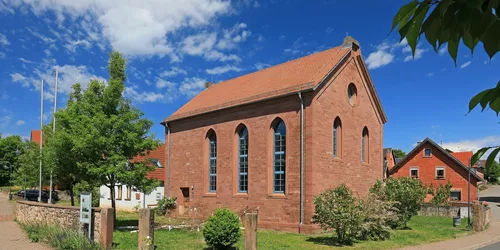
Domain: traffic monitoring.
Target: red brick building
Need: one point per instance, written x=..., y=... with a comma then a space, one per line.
x=273, y=139
x=435, y=165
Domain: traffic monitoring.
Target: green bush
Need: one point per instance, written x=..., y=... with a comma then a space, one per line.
x=222, y=229
x=85, y=187
x=442, y=196
x=58, y=238
x=165, y=205
x=337, y=209
x=377, y=217
x=407, y=194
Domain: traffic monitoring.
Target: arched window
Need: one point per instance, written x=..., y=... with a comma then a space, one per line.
x=337, y=138
x=243, y=160
x=279, y=157
x=212, y=162
x=364, y=145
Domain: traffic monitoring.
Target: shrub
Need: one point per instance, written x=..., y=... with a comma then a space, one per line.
x=165, y=205
x=407, y=194
x=222, y=229
x=442, y=195
x=377, y=216
x=58, y=238
x=337, y=209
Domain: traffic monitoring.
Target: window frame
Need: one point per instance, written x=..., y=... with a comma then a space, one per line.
x=365, y=146
x=416, y=169
x=436, y=173
x=459, y=195
x=212, y=162
x=119, y=192
x=128, y=195
x=243, y=176
x=337, y=138
x=281, y=154
x=430, y=152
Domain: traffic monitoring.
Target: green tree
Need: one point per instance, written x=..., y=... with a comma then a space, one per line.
x=450, y=22
x=28, y=168
x=8, y=147
x=442, y=195
x=492, y=172
x=106, y=131
x=337, y=209
x=407, y=193
x=398, y=153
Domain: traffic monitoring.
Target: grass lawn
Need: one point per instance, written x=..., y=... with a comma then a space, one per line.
x=423, y=230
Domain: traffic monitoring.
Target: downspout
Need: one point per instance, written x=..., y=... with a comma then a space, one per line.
x=301, y=220
x=168, y=161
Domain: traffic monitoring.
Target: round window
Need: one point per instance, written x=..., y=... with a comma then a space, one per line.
x=352, y=93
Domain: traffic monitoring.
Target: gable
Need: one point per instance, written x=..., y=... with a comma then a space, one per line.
x=417, y=154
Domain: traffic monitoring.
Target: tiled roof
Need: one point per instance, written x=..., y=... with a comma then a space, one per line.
x=158, y=153
x=289, y=77
x=35, y=136
x=463, y=157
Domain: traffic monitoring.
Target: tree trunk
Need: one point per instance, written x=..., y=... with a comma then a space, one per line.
x=113, y=202
x=71, y=194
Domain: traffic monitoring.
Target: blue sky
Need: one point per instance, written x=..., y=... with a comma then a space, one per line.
x=173, y=47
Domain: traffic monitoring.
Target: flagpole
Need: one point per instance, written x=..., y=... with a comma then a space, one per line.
x=53, y=130
x=41, y=142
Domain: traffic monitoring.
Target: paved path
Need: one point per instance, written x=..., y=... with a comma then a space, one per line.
x=11, y=236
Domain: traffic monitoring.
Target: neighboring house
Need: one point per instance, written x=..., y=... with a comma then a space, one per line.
x=389, y=161
x=129, y=198
x=435, y=165
x=35, y=136
x=273, y=139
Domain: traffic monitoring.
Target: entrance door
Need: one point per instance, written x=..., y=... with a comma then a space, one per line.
x=185, y=202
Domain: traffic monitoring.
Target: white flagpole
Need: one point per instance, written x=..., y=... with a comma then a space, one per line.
x=53, y=130
x=41, y=142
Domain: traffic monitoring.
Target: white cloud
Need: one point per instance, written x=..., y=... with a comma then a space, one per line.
x=173, y=72
x=260, y=38
x=378, y=59
x=430, y=74
x=160, y=84
x=141, y=97
x=2, y=55
x=222, y=69
x=472, y=145
x=466, y=64
x=71, y=46
x=443, y=50
x=203, y=45
x=231, y=37
x=132, y=27
x=44, y=38
x=418, y=54
x=260, y=66
x=3, y=40
x=192, y=86
x=68, y=75
x=25, y=60
x=5, y=119
x=20, y=122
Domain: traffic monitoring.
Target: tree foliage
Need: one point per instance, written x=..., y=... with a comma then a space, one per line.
x=102, y=132
x=442, y=194
x=8, y=155
x=28, y=167
x=377, y=218
x=492, y=173
x=450, y=22
x=337, y=209
x=407, y=194
x=398, y=153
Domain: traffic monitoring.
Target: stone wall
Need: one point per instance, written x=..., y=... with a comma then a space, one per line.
x=443, y=211
x=66, y=217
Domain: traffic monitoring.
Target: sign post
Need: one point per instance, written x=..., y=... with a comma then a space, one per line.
x=86, y=211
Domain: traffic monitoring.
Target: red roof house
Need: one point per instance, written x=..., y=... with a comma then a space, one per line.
x=435, y=166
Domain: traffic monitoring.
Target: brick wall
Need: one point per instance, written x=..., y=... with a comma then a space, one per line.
x=189, y=152
x=457, y=175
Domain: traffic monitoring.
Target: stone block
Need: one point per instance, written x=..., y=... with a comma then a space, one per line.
x=146, y=229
